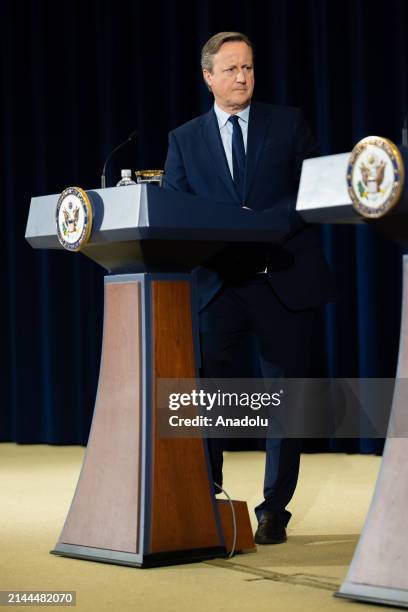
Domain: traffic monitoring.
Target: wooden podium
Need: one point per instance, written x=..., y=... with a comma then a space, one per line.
x=378, y=572
x=142, y=500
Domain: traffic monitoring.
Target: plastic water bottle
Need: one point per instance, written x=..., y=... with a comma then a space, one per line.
x=126, y=179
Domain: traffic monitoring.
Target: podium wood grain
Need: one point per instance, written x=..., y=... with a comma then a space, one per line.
x=104, y=510
x=142, y=499
x=182, y=516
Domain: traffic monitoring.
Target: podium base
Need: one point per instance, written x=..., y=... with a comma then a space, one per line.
x=115, y=557
x=373, y=594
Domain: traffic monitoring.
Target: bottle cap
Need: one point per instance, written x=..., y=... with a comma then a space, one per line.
x=126, y=173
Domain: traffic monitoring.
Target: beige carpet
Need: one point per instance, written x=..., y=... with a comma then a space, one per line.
x=329, y=508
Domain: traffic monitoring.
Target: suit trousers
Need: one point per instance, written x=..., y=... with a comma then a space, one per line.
x=249, y=311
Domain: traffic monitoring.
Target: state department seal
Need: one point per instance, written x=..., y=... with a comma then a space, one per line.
x=375, y=176
x=73, y=218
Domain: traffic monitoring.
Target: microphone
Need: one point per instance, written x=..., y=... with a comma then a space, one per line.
x=405, y=132
x=132, y=136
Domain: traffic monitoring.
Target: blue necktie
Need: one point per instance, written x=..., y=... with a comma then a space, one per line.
x=238, y=155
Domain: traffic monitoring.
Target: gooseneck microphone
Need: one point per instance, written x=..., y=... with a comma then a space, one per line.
x=405, y=132
x=132, y=136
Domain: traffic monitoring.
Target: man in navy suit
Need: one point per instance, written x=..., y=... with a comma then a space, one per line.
x=246, y=154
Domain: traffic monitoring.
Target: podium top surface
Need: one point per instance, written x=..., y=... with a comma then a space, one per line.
x=141, y=225
x=146, y=212
x=323, y=196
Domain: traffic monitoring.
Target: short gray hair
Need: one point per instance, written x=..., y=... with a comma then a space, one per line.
x=213, y=45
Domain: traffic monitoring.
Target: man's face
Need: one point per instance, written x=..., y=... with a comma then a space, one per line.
x=232, y=78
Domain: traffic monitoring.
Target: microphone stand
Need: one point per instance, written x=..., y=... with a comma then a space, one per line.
x=128, y=139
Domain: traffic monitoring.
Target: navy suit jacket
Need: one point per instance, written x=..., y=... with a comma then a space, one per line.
x=279, y=140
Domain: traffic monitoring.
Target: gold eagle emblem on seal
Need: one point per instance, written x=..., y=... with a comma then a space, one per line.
x=375, y=176
x=73, y=218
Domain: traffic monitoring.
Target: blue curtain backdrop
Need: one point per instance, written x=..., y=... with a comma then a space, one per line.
x=78, y=77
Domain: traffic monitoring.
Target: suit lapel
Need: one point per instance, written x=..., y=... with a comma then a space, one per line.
x=212, y=138
x=256, y=138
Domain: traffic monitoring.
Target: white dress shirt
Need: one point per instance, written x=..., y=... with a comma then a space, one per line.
x=226, y=128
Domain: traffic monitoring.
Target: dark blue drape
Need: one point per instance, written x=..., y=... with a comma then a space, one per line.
x=78, y=77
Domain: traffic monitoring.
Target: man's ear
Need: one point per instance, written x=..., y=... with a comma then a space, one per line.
x=207, y=78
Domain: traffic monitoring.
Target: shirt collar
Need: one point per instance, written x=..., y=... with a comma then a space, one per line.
x=222, y=116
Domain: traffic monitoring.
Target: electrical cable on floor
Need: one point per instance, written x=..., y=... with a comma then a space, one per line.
x=234, y=521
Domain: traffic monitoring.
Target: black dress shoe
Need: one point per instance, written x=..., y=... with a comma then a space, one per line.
x=271, y=530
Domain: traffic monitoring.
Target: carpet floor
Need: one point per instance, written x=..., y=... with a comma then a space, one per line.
x=329, y=508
